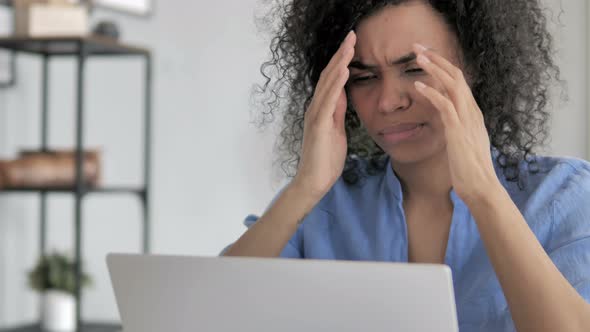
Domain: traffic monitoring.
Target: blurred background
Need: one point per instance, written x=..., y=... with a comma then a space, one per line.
x=211, y=166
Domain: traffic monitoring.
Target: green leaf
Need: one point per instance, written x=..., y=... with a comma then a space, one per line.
x=58, y=272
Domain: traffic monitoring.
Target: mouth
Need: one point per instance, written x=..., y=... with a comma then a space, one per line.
x=402, y=132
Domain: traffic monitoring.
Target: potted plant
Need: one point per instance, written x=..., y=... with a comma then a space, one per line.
x=54, y=278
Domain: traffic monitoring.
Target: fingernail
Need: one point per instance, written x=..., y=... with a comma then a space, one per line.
x=420, y=85
x=423, y=58
x=421, y=47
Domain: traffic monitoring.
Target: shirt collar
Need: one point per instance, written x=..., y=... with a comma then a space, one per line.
x=393, y=185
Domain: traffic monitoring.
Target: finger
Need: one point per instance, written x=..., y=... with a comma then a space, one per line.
x=341, y=58
x=330, y=86
x=347, y=43
x=448, y=82
x=345, y=46
x=453, y=89
x=338, y=70
x=454, y=83
x=441, y=61
x=444, y=105
x=329, y=102
x=333, y=84
x=340, y=113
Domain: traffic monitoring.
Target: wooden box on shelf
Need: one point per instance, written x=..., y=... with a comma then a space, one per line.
x=49, y=169
x=40, y=18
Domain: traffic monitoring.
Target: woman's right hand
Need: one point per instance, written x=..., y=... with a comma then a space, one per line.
x=324, y=137
x=322, y=161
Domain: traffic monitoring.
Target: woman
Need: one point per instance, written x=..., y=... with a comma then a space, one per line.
x=414, y=141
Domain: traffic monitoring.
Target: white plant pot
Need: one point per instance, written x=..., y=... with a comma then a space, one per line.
x=58, y=311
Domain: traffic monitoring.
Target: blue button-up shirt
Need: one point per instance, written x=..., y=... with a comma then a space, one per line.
x=367, y=222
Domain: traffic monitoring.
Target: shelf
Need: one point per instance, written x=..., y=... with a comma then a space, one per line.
x=104, y=190
x=64, y=45
x=80, y=48
x=86, y=327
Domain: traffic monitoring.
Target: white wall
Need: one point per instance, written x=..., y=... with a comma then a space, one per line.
x=569, y=126
x=211, y=166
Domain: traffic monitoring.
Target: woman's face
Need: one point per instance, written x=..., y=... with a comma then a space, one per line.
x=382, y=75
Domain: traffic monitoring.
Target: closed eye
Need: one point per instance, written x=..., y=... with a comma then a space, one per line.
x=414, y=70
x=362, y=79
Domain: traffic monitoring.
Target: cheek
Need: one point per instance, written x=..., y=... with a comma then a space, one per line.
x=356, y=99
x=425, y=104
x=361, y=104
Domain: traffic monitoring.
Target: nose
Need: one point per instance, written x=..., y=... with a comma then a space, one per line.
x=393, y=95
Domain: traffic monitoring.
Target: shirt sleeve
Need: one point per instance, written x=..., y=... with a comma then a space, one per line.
x=570, y=239
x=291, y=250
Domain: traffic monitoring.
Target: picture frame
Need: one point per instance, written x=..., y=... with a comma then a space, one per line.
x=135, y=7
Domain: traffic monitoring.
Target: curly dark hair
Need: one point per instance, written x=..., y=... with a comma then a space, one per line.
x=506, y=45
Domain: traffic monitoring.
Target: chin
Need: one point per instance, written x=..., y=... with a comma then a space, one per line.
x=413, y=153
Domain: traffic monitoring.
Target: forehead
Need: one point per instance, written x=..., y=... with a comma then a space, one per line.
x=392, y=30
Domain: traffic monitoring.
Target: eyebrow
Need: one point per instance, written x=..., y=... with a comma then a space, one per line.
x=402, y=60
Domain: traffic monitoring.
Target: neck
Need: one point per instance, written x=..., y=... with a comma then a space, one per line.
x=425, y=181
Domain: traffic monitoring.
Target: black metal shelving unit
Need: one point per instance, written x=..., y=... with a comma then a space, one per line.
x=82, y=49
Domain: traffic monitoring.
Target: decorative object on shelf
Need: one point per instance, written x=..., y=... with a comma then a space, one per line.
x=108, y=29
x=51, y=169
x=39, y=18
x=54, y=277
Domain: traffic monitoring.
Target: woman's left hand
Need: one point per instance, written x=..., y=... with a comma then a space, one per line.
x=468, y=144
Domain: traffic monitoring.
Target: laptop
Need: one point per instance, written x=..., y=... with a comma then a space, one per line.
x=221, y=294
